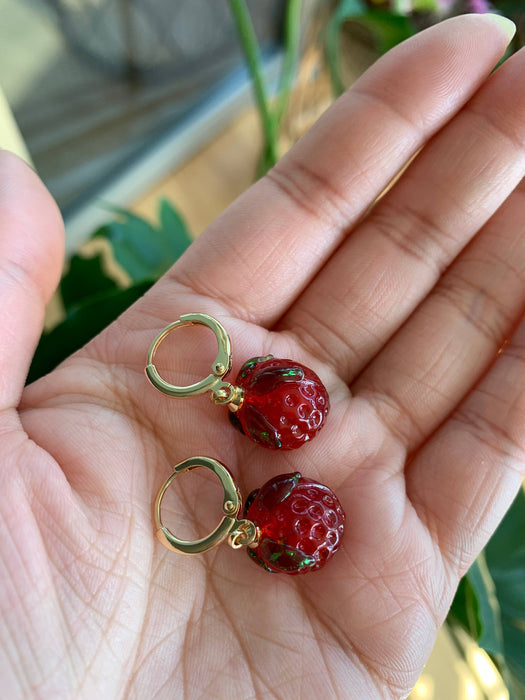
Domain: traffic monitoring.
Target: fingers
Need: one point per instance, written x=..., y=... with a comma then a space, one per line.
x=381, y=273
x=435, y=359
x=31, y=257
x=466, y=478
x=262, y=252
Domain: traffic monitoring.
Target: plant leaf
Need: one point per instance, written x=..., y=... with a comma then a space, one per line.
x=144, y=251
x=85, y=277
x=387, y=30
x=491, y=635
x=490, y=600
x=509, y=8
x=174, y=228
x=129, y=241
x=425, y=5
x=465, y=609
x=347, y=9
x=82, y=323
x=505, y=554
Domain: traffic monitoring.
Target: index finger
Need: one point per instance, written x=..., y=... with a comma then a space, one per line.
x=31, y=255
x=261, y=253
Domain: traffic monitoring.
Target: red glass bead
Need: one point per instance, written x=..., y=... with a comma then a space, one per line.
x=285, y=404
x=301, y=524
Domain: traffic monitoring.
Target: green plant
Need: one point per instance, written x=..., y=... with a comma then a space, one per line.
x=271, y=111
x=389, y=22
x=490, y=600
x=90, y=292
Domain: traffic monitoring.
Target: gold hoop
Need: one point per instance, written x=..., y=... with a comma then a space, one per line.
x=222, y=392
x=241, y=532
x=221, y=366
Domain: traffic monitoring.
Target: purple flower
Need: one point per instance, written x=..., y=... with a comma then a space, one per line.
x=479, y=6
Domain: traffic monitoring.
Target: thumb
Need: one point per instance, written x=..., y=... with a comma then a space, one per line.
x=31, y=258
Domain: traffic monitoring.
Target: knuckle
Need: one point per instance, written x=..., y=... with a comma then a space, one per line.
x=413, y=232
x=479, y=307
x=310, y=190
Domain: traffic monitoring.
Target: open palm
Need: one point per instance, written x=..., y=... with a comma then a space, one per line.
x=403, y=311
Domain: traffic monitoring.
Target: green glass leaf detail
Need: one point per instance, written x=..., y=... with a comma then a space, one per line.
x=257, y=559
x=279, y=488
x=251, y=363
x=293, y=372
x=283, y=558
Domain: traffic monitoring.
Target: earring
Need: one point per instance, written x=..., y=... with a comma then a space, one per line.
x=279, y=404
x=291, y=525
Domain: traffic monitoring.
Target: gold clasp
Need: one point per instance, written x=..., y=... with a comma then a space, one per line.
x=222, y=392
x=240, y=532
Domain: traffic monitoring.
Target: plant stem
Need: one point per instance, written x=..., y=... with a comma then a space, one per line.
x=292, y=41
x=252, y=54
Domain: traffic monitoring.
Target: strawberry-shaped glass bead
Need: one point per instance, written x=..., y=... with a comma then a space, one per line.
x=300, y=524
x=284, y=403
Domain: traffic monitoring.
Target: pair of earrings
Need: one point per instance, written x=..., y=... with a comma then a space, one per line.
x=291, y=524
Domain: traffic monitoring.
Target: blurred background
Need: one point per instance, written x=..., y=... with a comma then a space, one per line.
x=145, y=119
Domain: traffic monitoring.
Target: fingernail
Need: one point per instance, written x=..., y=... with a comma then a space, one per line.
x=507, y=25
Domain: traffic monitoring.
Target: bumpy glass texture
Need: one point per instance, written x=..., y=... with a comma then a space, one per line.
x=285, y=404
x=301, y=524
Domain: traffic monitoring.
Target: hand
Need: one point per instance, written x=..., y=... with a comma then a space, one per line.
x=411, y=315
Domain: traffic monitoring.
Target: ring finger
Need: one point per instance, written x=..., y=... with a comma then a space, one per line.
x=440, y=353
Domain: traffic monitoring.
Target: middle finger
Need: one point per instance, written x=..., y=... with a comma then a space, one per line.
x=379, y=275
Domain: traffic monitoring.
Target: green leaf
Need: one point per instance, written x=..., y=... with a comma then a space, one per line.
x=252, y=54
x=347, y=9
x=350, y=8
x=174, y=228
x=425, y=5
x=407, y=7
x=491, y=637
x=292, y=54
x=465, y=609
x=387, y=31
x=144, y=251
x=265, y=162
x=85, y=277
x=505, y=554
x=509, y=8
x=82, y=323
x=93, y=299
x=129, y=241
x=490, y=600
